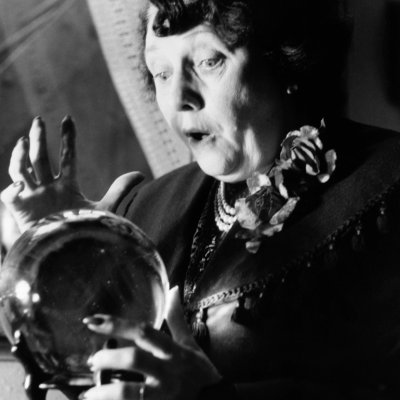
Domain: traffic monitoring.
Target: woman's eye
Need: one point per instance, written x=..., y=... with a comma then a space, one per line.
x=210, y=63
x=163, y=76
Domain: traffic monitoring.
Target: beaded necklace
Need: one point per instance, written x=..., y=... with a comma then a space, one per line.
x=215, y=221
x=225, y=215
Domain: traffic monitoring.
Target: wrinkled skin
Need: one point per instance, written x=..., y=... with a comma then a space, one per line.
x=239, y=112
x=227, y=105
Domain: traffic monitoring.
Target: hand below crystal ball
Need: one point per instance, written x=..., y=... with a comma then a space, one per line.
x=72, y=265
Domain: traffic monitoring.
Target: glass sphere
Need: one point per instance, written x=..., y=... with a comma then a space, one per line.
x=70, y=266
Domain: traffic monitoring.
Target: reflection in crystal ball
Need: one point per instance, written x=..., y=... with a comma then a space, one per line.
x=72, y=265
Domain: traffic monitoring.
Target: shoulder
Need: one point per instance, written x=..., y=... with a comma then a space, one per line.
x=354, y=128
x=367, y=179
x=177, y=187
x=359, y=145
x=360, y=141
x=356, y=218
x=172, y=203
x=368, y=165
x=182, y=176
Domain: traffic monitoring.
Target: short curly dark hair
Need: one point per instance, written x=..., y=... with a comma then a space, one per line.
x=304, y=41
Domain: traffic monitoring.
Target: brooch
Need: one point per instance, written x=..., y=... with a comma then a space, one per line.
x=303, y=164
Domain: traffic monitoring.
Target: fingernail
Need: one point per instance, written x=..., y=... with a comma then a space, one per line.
x=94, y=321
x=67, y=118
x=110, y=344
x=38, y=118
x=67, y=124
x=18, y=183
x=38, y=122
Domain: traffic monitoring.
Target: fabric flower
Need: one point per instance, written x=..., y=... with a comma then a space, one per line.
x=259, y=207
x=302, y=155
x=303, y=164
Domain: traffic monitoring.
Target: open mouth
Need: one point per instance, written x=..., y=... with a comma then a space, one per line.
x=197, y=136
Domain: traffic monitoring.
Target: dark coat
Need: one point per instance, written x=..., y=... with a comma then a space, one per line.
x=320, y=301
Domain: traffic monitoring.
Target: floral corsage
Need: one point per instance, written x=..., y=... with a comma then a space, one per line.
x=302, y=165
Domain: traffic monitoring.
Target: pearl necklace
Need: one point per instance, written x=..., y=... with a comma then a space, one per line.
x=224, y=214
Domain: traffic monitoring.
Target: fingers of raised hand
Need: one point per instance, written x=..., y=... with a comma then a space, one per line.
x=68, y=148
x=18, y=168
x=38, y=152
x=118, y=391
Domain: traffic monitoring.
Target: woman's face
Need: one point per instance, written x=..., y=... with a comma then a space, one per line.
x=224, y=104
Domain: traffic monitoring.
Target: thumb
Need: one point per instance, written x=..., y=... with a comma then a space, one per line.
x=119, y=190
x=10, y=196
x=176, y=320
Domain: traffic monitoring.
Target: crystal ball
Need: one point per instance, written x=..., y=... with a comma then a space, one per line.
x=72, y=265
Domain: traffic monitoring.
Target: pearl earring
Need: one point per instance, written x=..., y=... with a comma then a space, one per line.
x=292, y=89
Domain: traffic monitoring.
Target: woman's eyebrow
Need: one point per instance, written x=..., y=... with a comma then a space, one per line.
x=150, y=49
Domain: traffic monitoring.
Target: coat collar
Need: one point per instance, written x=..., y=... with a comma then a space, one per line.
x=368, y=164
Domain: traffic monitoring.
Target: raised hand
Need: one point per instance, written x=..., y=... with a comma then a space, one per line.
x=175, y=368
x=37, y=192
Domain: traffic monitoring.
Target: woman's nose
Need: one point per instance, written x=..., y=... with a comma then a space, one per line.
x=185, y=94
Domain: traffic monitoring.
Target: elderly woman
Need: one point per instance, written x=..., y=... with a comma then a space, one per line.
x=283, y=236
